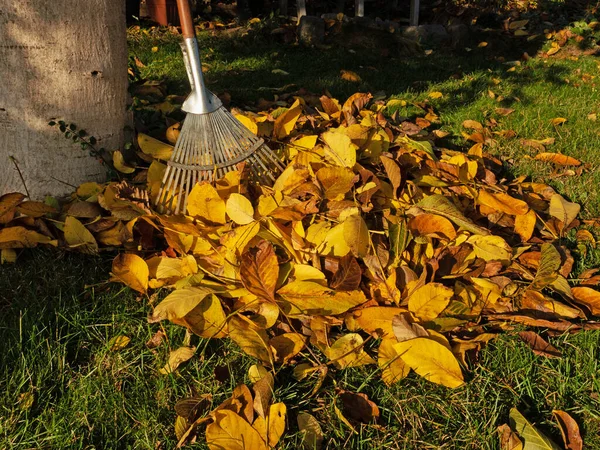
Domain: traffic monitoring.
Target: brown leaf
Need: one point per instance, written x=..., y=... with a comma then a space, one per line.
x=263, y=393
x=588, y=297
x=569, y=430
x=357, y=406
x=348, y=275
x=539, y=345
x=509, y=439
x=312, y=436
x=156, y=339
x=259, y=270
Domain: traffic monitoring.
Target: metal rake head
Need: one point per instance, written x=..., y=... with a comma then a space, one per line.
x=209, y=146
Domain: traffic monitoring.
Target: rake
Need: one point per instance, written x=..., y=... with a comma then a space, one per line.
x=212, y=141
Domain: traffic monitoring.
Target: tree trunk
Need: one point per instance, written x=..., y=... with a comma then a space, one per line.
x=64, y=59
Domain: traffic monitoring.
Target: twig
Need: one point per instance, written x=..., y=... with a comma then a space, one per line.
x=13, y=159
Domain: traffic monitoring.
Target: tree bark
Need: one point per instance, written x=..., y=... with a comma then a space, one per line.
x=64, y=59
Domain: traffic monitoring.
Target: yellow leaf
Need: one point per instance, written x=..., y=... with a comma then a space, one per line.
x=256, y=372
x=239, y=209
x=193, y=307
x=276, y=423
x=348, y=75
x=231, y=432
x=10, y=201
x=284, y=124
x=8, y=255
x=558, y=159
x=473, y=125
x=348, y=351
x=427, y=302
x=248, y=122
x=20, y=237
x=503, y=202
x=435, y=94
x=154, y=147
x=356, y=235
x=518, y=24
x=287, y=345
x=563, y=210
x=250, y=338
x=204, y=202
x=340, y=150
x=176, y=358
x=553, y=51
x=336, y=182
x=393, y=368
x=490, y=248
x=309, y=297
x=558, y=121
x=119, y=342
x=525, y=225
x=236, y=240
x=35, y=209
x=131, y=270
x=375, y=319
x=173, y=132
x=78, y=236
x=119, y=163
x=432, y=225
x=431, y=360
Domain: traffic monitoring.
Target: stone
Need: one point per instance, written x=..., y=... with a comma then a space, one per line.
x=311, y=30
x=429, y=34
x=459, y=35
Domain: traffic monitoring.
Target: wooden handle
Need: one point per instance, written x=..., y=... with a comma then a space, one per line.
x=185, y=18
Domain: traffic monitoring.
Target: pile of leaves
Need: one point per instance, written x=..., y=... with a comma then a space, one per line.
x=376, y=246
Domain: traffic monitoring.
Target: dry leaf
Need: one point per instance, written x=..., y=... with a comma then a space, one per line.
x=431, y=360
x=176, y=358
x=569, y=430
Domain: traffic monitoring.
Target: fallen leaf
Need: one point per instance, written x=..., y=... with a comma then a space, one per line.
x=119, y=342
x=431, y=360
x=569, y=430
x=204, y=202
x=230, y=431
x=348, y=75
x=312, y=436
x=239, y=209
x=78, y=236
x=427, y=302
x=588, y=297
x=176, y=358
x=539, y=345
x=558, y=159
x=119, y=163
x=259, y=270
x=131, y=270
x=509, y=439
x=532, y=437
x=154, y=147
x=357, y=406
x=393, y=368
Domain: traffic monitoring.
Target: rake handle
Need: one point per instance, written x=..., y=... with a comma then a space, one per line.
x=185, y=18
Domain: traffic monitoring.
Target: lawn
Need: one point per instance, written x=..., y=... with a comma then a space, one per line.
x=64, y=387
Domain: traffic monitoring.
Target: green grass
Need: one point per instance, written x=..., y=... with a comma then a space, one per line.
x=56, y=332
